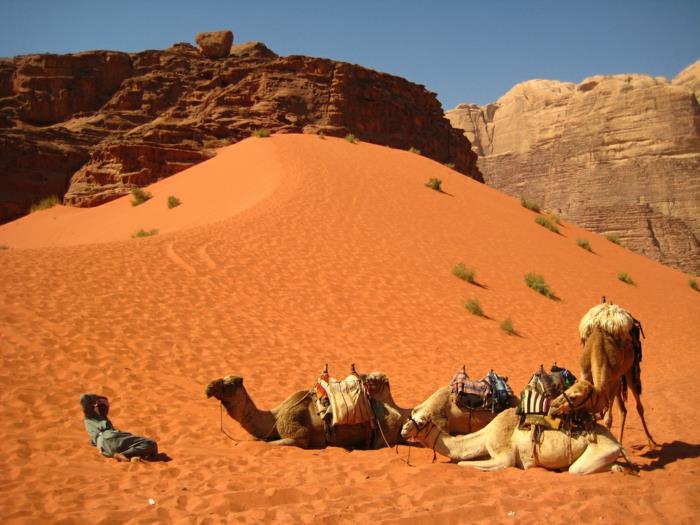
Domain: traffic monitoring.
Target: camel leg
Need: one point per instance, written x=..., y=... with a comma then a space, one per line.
x=597, y=457
x=608, y=418
x=623, y=413
x=640, y=411
x=489, y=465
x=290, y=442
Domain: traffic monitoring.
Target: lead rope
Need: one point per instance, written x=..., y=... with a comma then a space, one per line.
x=381, y=431
x=221, y=421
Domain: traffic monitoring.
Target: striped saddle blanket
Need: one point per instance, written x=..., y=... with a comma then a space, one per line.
x=349, y=402
x=533, y=402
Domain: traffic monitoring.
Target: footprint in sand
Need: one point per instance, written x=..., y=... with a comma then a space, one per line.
x=206, y=258
x=173, y=256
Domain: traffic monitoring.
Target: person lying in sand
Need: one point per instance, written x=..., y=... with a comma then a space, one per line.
x=111, y=442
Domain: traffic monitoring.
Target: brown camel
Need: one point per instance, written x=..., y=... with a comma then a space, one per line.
x=394, y=416
x=296, y=421
x=609, y=362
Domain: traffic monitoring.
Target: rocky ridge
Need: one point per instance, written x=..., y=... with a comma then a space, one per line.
x=616, y=154
x=90, y=126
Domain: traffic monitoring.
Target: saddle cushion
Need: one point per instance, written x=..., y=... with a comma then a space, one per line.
x=348, y=401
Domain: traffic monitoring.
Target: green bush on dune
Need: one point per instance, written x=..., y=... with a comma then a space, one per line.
x=434, y=184
x=507, y=326
x=173, y=202
x=139, y=196
x=625, y=278
x=474, y=306
x=44, y=204
x=145, y=233
x=537, y=283
x=583, y=243
x=461, y=271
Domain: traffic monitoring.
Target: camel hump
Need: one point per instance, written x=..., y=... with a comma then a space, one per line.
x=611, y=318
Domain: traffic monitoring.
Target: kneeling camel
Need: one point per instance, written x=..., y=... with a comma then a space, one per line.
x=505, y=445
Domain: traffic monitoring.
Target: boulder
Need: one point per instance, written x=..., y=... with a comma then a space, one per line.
x=215, y=44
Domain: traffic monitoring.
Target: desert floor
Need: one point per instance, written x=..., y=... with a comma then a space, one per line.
x=291, y=252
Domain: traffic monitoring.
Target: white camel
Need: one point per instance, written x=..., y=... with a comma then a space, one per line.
x=505, y=445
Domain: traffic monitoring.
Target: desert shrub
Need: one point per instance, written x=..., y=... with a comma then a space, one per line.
x=507, y=326
x=553, y=217
x=211, y=143
x=625, y=278
x=583, y=243
x=139, y=196
x=545, y=222
x=464, y=272
x=613, y=238
x=474, y=306
x=530, y=205
x=414, y=150
x=173, y=202
x=537, y=283
x=4, y=247
x=352, y=139
x=44, y=204
x=434, y=184
x=450, y=165
x=262, y=133
x=145, y=233
x=691, y=282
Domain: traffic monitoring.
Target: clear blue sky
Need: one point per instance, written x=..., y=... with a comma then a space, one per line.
x=465, y=51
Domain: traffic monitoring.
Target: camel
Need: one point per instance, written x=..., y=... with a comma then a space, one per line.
x=394, y=417
x=505, y=445
x=450, y=418
x=296, y=421
x=609, y=362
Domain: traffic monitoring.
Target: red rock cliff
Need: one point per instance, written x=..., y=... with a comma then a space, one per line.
x=89, y=126
x=615, y=154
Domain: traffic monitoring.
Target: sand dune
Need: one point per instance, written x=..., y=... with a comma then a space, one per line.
x=288, y=253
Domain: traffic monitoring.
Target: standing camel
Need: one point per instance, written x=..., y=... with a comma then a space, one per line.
x=609, y=362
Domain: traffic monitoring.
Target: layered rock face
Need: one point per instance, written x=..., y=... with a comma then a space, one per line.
x=88, y=127
x=615, y=154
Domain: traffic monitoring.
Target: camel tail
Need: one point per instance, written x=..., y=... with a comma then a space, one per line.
x=610, y=318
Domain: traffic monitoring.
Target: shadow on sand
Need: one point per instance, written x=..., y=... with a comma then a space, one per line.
x=670, y=452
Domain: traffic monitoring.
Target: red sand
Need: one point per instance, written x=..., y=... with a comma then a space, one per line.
x=288, y=253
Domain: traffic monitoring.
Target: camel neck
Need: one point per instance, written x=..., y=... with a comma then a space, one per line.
x=441, y=442
x=259, y=423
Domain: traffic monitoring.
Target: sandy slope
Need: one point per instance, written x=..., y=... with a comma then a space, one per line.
x=288, y=253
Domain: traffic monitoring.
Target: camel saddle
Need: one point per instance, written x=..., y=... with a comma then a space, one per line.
x=346, y=400
x=537, y=396
x=492, y=392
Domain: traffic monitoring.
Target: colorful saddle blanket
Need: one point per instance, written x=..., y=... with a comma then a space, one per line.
x=492, y=392
x=539, y=393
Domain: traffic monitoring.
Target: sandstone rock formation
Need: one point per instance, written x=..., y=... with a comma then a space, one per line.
x=216, y=44
x=88, y=127
x=615, y=154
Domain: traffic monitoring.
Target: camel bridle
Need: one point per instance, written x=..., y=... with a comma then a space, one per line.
x=430, y=426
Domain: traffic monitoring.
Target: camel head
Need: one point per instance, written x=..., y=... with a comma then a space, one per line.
x=580, y=396
x=415, y=425
x=224, y=388
x=377, y=385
